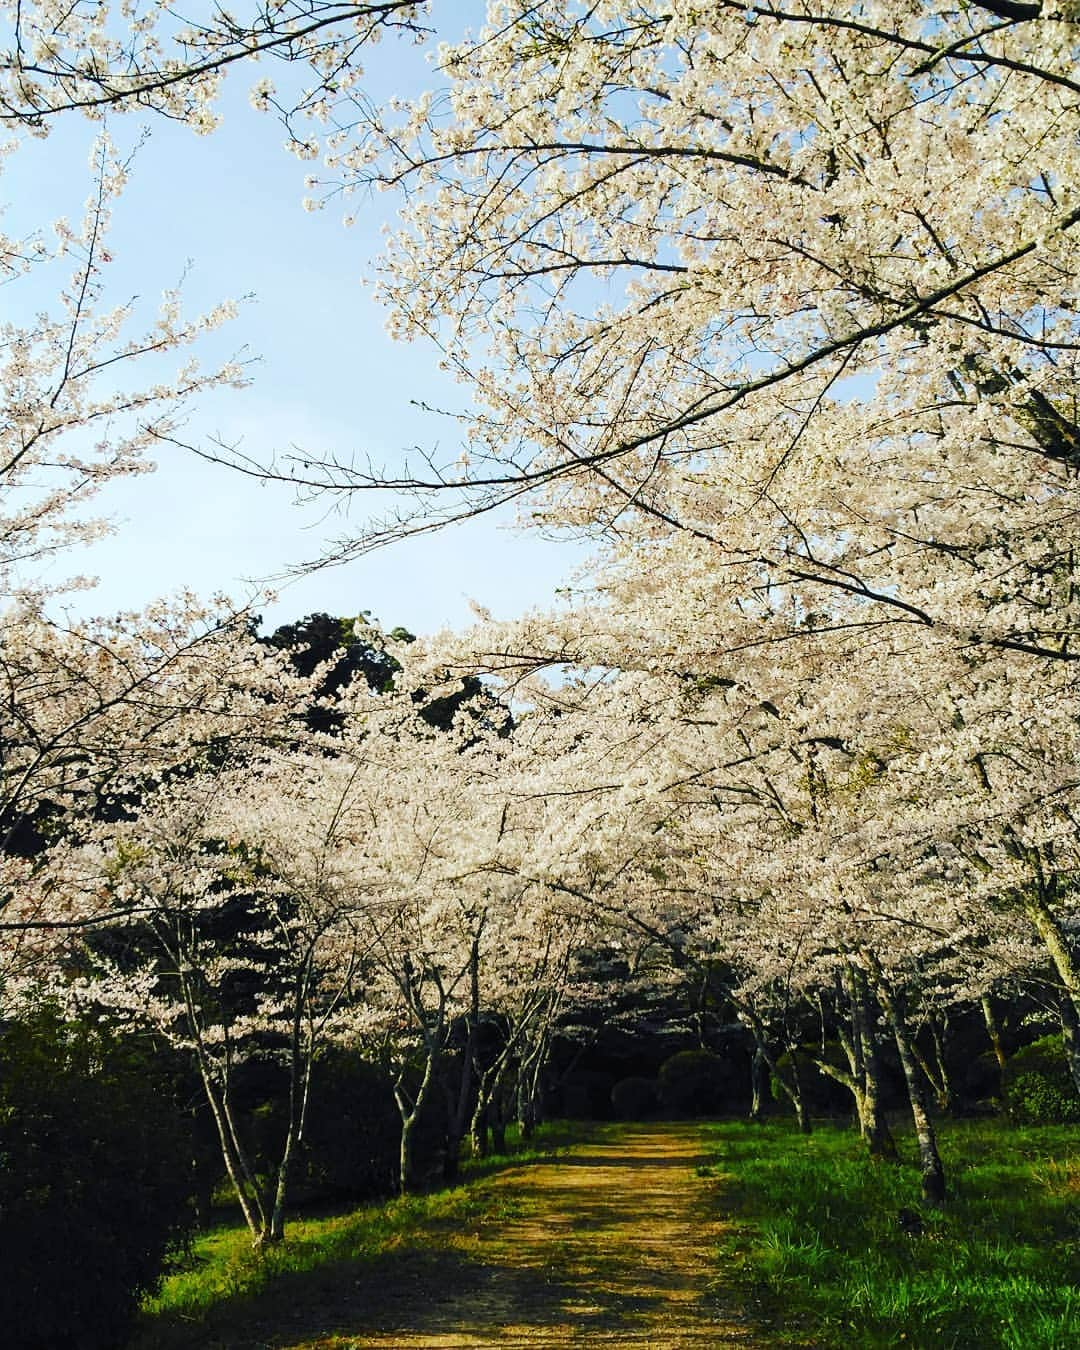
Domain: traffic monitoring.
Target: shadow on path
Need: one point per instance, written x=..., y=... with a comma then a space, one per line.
x=610, y=1245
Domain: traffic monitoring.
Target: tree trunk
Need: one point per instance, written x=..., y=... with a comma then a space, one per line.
x=1049, y=929
x=993, y=1033
x=237, y=1166
x=525, y=1106
x=530, y=1072
x=274, y=1226
x=944, y=1082
x=478, y=1128
x=872, y=1123
x=1070, y=1034
x=409, y=1114
x=932, y=1172
x=528, y=1102
x=458, y=1115
x=405, y=1153
x=935, y=1073
x=792, y=1091
x=299, y=1079
x=757, y=1085
x=796, y=1094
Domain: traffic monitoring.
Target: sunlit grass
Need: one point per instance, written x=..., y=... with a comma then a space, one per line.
x=210, y=1298
x=818, y=1248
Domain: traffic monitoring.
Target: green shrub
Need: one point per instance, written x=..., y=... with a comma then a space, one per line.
x=1041, y=1088
x=586, y=1095
x=1046, y=1055
x=695, y=1083
x=353, y=1129
x=94, y=1183
x=634, y=1098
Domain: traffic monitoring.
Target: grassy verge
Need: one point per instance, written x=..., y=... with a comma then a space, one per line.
x=225, y=1294
x=818, y=1247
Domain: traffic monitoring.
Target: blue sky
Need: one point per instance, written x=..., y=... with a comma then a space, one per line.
x=327, y=377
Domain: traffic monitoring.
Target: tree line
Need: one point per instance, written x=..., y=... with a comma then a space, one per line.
x=777, y=306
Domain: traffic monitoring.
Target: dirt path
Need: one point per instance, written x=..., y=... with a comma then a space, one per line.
x=609, y=1245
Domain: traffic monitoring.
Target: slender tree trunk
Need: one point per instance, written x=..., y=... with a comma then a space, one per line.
x=478, y=1128
x=528, y=1093
x=993, y=1033
x=524, y=1105
x=1070, y=1033
x=405, y=1153
x=237, y=1166
x=757, y=1085
x=930, y=1166
x=299, y=1078
x=864, y=1081
x=793, y=1090
x=938, y=1033
x=275, y=1231
x=874, y=1126
x=409, y=1115
x=530, y=1074
x=797, y=1095
x=935, y=1073
x=459, y=1113
x=852, y=1044
x=1049, y=929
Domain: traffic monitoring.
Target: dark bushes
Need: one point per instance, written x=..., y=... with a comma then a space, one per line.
x=351, y=1138
x=94, y=1183
x=1041, y=1089
x=634, y=1098
x=695, y=1083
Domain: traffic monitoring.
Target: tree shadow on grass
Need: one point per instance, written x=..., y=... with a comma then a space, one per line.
x=606, y=1245
x=680, y=1163
x=433, y=1296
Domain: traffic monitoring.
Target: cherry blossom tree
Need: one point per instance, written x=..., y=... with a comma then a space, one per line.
x=240, y=916
x=97, y=58
x=811, y=828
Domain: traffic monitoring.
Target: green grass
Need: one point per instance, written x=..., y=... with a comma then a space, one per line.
x=223, y=1290
x=818, y=1251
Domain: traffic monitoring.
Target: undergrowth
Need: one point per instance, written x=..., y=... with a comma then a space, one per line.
x=831, y=1249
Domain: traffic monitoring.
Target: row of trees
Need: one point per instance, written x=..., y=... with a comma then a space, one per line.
x=777, y=305
x=391, y=884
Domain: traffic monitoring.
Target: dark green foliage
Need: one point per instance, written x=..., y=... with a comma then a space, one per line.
x=1041, y=1089
x=695, y=1083
x=94, y=1193
x=585, y=1094
x=350, y=654
x=351, y=1138
x=322, y=639
x=823, y=1095
x=635, y=1098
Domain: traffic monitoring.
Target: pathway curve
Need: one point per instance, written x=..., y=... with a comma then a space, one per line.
x=610, y=1244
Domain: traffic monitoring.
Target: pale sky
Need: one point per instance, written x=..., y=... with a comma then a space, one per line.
x=328, y=378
